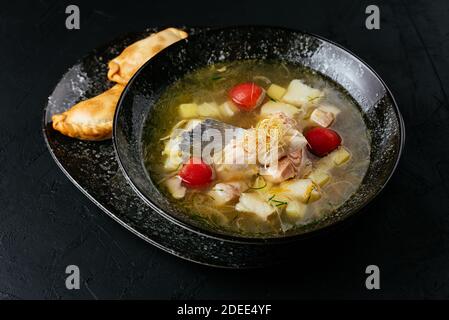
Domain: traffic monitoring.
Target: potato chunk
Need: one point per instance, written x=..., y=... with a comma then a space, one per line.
x=173, y=152
x=272, y=107
x=209, y=110
x=228, y=110
x=252, y=202
x=299, y=189
x=174, y=186
x=296, y=209
x=172, y=163
x=315, y=195
x=188, y=110
x=341, y=156
x=301, y=95
x=276, y=92
x=319, y=177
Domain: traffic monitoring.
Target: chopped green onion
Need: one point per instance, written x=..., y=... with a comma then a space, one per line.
x=311, y=99
x=278, y=202
x=281, y=204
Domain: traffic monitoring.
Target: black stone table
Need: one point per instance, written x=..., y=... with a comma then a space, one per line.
x=46, y=223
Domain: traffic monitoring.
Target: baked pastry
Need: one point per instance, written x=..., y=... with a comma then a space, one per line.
x=123, y=67
x=90, y=119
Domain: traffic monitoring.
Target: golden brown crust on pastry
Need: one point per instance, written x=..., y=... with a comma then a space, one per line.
x=90, y=119
x=123, y=67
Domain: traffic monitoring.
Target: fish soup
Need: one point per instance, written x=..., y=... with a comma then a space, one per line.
x=300, y=148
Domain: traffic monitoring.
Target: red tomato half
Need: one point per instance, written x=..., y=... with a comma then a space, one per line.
x=322, y=140
x=247, y=96
x=196, y=173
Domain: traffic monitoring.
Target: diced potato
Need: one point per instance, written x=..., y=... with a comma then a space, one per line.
x=171, y=145
x=228, y=110
x=335, y=158
x=276, y=92
x=314, y=195
x=209, y=110
x=272, y=107
x=188, y=110
x=299, y=188
x=173, y=152
x=296, y=209
x=319, y=177
x=340, y=156
x=173, y=162
x=322, y=118
x=301, y=95
x=252, y=202
x=174, y=186
x=326, y=163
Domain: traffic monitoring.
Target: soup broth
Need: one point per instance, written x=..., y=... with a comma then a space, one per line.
x=257, y=200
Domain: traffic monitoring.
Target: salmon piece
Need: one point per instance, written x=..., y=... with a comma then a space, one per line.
x=284, y=170
x=295, y=164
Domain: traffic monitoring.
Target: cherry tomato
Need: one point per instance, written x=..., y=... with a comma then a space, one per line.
x=196, y=173
x=247, y=96
x=322, y=140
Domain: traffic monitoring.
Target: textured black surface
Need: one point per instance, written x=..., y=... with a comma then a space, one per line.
x=46, y=223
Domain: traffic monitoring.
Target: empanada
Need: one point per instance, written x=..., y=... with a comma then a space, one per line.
x=123, y=67
x=90, y=119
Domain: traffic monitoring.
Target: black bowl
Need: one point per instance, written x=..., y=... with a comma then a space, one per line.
x=376, y=102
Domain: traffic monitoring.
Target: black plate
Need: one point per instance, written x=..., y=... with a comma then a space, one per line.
x=93, y=168
x=378, y=107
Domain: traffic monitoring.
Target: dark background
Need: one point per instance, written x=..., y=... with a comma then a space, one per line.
x=47, y=224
